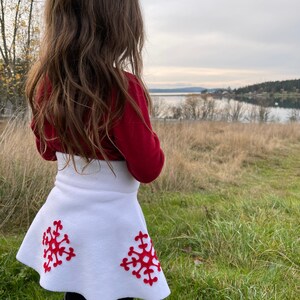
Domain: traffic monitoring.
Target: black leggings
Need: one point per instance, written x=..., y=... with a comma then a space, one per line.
x=74, y=296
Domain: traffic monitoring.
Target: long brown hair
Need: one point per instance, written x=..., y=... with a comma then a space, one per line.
x=86, y=48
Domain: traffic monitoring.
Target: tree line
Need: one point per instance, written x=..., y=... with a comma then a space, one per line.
x=271, y=87
x=207, y=108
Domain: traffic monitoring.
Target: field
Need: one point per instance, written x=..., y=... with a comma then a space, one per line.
x=224, y=214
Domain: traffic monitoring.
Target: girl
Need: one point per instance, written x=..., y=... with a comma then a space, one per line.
x=90, y=238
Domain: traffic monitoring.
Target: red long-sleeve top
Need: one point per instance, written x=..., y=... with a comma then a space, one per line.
x=136, y=144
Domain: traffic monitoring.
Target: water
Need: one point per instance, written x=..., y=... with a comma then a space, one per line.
x=275, y=114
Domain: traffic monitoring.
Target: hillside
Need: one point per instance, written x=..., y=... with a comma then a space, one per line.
x=290, y=86
x=271, y=87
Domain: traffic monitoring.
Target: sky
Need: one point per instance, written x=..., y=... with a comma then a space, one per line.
x=220, y=43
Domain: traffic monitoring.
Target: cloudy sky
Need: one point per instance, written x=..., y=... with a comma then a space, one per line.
x=221, y=43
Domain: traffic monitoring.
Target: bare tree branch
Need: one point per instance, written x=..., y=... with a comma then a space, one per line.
x=15, y=31
x=29, y=28
x=4, y=51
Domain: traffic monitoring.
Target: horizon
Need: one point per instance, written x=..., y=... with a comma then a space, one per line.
x=204, y=87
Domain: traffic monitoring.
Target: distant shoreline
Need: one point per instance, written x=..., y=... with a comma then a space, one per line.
x=188, y=90
x=173, y=94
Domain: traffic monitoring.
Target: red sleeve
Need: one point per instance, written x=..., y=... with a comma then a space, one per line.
x=48, y=153
x=139, y=146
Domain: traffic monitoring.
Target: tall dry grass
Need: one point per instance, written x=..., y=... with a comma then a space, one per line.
x=25, y=179
x=199, y=155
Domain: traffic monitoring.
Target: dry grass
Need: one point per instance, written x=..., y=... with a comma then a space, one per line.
x=25, y=179
x=199, y=155
x=2, y=125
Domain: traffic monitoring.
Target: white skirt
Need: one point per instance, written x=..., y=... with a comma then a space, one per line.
x=90, y=236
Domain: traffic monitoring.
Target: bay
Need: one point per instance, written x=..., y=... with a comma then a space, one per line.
x=165, y=101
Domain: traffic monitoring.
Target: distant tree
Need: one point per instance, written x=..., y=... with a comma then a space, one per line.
x=177, y=112
x=19, y=35
x=236, y=111
x=263, y=113
x=158, y=107
x=252, y=114
x=192, y=106
x=208, y=108
x=294, y=115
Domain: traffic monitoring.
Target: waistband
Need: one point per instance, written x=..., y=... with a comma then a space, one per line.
x=95, y=176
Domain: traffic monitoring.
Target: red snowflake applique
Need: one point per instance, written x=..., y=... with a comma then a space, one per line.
x=55, y=248
x=144, y=263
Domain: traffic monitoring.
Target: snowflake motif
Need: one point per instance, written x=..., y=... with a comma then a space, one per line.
x=145, y=260
x=55, y=248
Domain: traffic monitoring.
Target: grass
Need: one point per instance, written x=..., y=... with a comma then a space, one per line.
x=2, y=125
x=239, y=243
x=233, y=236
x=207, y=155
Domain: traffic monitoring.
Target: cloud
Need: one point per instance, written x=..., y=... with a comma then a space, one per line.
x=252, y=36
x=165, y=77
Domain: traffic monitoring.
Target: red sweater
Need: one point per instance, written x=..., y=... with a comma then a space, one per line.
x=139, y=147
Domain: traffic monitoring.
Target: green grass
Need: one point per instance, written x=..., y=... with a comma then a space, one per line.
x=241, y=241
x=18, y=282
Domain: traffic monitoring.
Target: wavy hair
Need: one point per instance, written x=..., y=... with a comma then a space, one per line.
x=86, y=48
